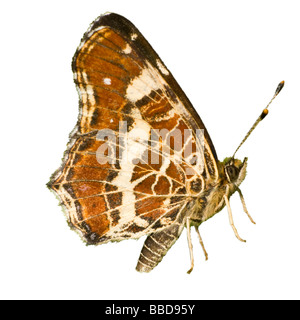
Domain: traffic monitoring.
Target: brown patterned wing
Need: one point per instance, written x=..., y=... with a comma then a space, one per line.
x=123, y=174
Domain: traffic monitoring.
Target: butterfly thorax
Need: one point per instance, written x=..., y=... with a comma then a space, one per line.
x=231, y=174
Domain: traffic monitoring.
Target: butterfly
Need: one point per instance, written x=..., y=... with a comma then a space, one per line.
x=139, y=161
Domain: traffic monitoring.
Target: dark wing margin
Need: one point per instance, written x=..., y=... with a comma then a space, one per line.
x=128, y=30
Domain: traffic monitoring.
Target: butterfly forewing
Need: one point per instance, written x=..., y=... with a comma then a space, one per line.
x=149, y=182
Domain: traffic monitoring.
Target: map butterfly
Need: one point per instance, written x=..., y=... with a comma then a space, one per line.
x=140, y=160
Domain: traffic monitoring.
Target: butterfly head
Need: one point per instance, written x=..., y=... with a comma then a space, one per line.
x=235, y=170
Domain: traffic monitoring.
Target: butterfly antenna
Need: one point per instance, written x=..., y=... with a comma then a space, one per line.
x=262, y=116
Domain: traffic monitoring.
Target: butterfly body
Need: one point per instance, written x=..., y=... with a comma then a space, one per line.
x=136, y=163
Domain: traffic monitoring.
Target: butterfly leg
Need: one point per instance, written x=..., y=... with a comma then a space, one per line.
x=244, y=205
x=188, y=227
x=231, y=219
x=201, y=242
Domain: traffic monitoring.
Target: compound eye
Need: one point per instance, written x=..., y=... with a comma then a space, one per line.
x=232, y=173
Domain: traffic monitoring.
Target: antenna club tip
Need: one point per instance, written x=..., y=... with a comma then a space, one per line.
x=261, y=117
x=279, y=87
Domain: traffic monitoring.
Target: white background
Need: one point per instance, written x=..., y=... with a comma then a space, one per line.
x=228, y=56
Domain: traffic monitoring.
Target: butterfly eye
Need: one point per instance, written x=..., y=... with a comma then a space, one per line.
x=232, y=173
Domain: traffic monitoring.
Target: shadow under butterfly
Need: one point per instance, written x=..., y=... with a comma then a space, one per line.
x=126, y=91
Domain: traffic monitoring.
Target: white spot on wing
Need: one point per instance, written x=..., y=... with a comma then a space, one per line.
x=90, y=94
x=127, y=49
x=84, y=76
x=133, y=36
x=142, y=85
x=161, y=67
x=107, y=81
